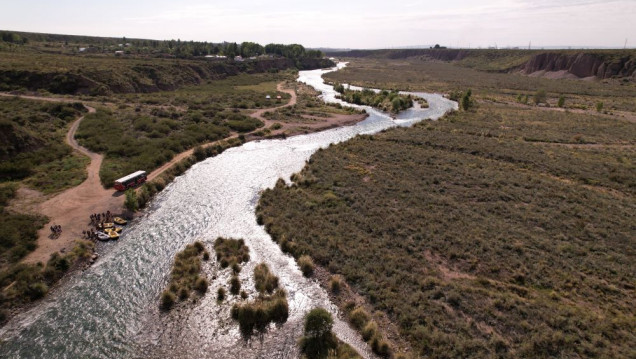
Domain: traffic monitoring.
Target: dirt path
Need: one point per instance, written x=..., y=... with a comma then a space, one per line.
x=71, y=209
x=259, y=113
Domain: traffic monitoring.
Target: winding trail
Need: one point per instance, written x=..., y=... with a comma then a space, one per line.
x=71, y=208
x=259, y=113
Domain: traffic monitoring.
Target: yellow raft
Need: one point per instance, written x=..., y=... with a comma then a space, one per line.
x=120, y=221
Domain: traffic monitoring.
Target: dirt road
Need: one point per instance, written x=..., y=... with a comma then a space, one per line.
x=71, y=209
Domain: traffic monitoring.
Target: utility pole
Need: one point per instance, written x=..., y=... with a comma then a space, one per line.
x=624, y=47
x=529, y=45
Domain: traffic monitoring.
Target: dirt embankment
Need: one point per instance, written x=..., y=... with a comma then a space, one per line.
x=601, y=64
x=582, y=65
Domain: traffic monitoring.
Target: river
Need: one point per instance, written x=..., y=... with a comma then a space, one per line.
x=111, y=310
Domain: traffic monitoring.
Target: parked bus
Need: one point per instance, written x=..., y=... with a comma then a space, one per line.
x=130, y=181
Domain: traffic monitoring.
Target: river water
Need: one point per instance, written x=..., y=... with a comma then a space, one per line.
x=111, y=310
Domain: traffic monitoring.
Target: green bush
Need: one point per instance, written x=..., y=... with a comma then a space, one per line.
x=235, y=285
x=231, y=251
x=359, y=318
x=264, y=281
x=37, y=290
x=318, y=339
x=201, y=285
x=539, y=97
x=561, y=101
x=168, y=300
x=599, y=106
x=131, y=200
x=335, y=284
x=258, y=314
x=306, y=265
x=220, y=294
x=369, y=331
x=185, y=274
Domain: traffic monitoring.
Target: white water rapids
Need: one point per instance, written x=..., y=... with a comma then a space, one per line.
x=111, y=310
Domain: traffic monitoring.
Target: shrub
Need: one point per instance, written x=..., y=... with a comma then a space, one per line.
x=539, y=97
x=167, y=300
x=335, y=284
x=466, y=100
x=264, y=281
x=359, y=318
x=201, y=285
x=199, y=246
x=318, y=339
x=257, y=315
x=235, y=285
x=231, y=251
x=184, y=276
x=220, y=294
x=37, y=290
x=236, y=268
x=183, y=293
x=131, y=200
x=599, y=106
x=306, y=265
x=561, y=101
x=381, y=347
x=370, y=330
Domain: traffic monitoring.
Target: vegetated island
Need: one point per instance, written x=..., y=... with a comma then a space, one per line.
x=388, y=101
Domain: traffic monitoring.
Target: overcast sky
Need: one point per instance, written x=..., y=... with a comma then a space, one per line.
x=345, y=24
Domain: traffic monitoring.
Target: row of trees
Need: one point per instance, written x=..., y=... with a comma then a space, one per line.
x=230, y=49
x=173, y=47
x=13, y=38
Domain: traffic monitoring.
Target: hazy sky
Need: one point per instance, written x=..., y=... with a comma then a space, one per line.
x=327, y=23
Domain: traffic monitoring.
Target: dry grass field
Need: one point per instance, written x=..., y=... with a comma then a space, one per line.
x=504, y=231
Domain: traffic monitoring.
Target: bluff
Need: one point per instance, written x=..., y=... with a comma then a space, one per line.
x=601, y=64
x=583, y=64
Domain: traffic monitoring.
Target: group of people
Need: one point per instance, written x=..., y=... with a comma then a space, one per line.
x=97, y=218
x=56, y=229
x=90, y=234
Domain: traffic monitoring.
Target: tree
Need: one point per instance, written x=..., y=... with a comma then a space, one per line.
x=131, y=200
x=318, y=337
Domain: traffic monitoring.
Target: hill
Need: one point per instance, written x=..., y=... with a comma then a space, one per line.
x=601, y=64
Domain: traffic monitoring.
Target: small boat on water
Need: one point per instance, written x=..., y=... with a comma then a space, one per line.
x=120, y=221
x=102, y=236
